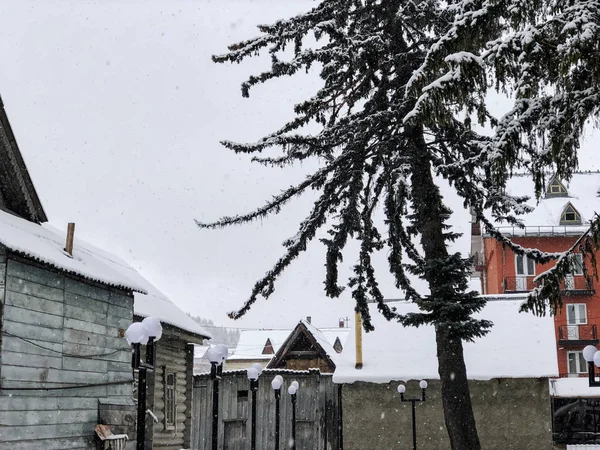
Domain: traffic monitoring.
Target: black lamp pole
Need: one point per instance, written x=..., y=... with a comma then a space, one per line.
x=592, y=375
x=253, y=388
x=143, y=368
x=293, y=421
x=277, y=398
x=215, y=404
x=413, y=401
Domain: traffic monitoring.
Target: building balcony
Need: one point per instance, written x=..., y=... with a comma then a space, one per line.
x=576, y=285
x=577, y=335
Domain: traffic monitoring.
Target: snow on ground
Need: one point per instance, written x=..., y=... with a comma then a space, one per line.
x=519, y=345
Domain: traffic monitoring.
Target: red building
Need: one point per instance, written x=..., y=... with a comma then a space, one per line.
x=554, y=225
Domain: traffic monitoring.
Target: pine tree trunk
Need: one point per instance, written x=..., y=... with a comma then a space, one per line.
x=456, y=398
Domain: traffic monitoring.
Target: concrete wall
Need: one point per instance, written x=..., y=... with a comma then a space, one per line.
x=511, y=414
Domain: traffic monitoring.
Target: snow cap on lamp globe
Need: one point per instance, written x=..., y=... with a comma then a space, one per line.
x=137, y=333
x=258, y=368
x=153, y=326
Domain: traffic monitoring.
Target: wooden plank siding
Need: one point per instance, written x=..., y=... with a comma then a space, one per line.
x=175, y=354
x=50, y=323
x=316, y=411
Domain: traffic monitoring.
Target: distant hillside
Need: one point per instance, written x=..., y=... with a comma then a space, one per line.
x=221, y=335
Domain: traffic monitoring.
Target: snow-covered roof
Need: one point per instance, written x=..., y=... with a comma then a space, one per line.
x=572, y=387
x=252, y=342
x=322, y=340
x=331, y=334
x=44, y=244
x=520, y=345
x=546, y=217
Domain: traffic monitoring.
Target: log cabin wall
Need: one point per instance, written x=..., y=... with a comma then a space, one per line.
x=50, y=320
x=173, y=382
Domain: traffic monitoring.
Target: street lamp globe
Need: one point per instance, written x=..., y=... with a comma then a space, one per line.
x=588, y=352
x=295, y=384
x=276, y=383
x=292, y=390
x=137, y=333
x=257, y=367
x=423, y=384
x=213, y=355
x=597, y=359
x=401, y=389
x=153, y=326
x=223, y=351
x=252, y=374
x=280, y=378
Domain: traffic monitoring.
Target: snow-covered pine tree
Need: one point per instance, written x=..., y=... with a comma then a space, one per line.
x=545, y=55
x=377, y=148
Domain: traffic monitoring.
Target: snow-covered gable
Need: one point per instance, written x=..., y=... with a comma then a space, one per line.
x=251, y=344
x=520, y=345
x=331, y=334
x=323, y=341
x=43, y=244
x=148, y=300
x=582, y=194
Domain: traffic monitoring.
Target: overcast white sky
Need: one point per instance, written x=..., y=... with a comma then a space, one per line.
x=118, y=111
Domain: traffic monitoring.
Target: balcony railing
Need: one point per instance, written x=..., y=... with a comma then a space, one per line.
x=577, y=335
x=576, y=285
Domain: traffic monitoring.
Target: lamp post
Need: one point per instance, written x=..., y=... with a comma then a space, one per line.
x=413, y=401
x=592, y=356
x=292, y=390
x=216, y=356
x=253, y=374
x=146, y=332
x=276, y=385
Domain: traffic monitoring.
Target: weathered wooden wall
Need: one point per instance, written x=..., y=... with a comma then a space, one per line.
x=316, y=413
x=174, y=354
x=49, y=321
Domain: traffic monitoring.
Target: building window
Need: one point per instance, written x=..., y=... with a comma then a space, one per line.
x=268, y=348
x=556, y=189
x=170, y=400
x=576, y=363
x=525, y=266
x=570, y=216
x=577, y=264
x=576, y=314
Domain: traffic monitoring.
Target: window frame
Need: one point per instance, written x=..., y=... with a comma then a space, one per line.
x=170, y=399
x=525, y=265
x=577, y=307
x=579, y=361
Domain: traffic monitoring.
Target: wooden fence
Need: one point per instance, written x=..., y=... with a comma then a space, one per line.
x=317, y=412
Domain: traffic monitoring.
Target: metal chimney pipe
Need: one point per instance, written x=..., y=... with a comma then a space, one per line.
x=70, y=237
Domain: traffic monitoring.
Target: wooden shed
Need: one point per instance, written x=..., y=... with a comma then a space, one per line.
x=305, y=348
x=63, y=362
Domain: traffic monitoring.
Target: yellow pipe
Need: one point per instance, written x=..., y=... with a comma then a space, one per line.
x=358, y=337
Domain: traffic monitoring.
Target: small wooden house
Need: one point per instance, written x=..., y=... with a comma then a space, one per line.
x=64, y=365
x=305, y=348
